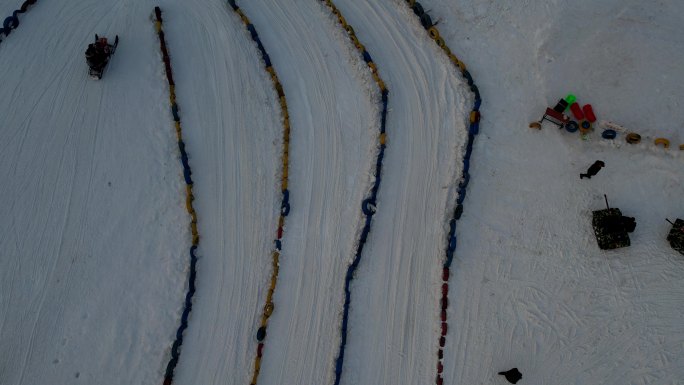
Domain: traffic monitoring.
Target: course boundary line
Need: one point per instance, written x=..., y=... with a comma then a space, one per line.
x=12, y=22
x=189, y=197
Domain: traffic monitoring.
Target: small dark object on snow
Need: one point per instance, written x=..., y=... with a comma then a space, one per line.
x=512, y=375
x=571, y=126
x=561, y=106
x=593, y=169
x=261, y=333
x=676, y=235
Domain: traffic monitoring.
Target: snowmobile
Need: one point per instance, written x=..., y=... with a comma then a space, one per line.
x=98, y=54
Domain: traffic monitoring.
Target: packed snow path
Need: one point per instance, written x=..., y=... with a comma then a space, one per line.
x=393, y=323
x=232, y=130
x=93, y=230
x=345, y=145
x=250, y=121
x=333, y=122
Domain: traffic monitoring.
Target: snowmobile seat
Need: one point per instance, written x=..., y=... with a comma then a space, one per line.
x=96, y=57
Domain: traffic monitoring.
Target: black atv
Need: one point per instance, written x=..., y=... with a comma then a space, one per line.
x=611, y=228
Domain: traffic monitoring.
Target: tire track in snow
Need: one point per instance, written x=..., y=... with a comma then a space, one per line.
x=79, y=241
x=60, y=248
x=426, y=21
x=332, y=140
x=269, y=305
x=368, y=205
x=78, y=236
x=231, y=120
x=398, y=282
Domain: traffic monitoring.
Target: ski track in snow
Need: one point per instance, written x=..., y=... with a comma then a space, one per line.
x=88, y=166
x=334, y=123
x=232, y=130
x=393, y=317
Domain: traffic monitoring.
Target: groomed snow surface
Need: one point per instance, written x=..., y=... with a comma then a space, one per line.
x=94, y=233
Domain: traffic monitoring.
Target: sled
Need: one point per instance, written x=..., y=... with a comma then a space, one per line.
x=553, y=116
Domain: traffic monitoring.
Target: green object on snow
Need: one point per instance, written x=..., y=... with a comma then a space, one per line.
x=570, y=99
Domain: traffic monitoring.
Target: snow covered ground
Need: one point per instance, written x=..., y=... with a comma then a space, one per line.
x=93, y=230
x=392, y=328
x=333, y=123
x=531, y=289
x=94, y=234
x=232, y=132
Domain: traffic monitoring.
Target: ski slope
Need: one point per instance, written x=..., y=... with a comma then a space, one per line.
x=95, y=234
x=393, y=317
x=334, y=120
x=93, y=230
x=232, y=132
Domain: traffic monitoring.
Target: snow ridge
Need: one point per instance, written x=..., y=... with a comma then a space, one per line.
x=175, y=348
x=12, y=22
x=368, y=204
x=285, y=203
x=426, y=22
